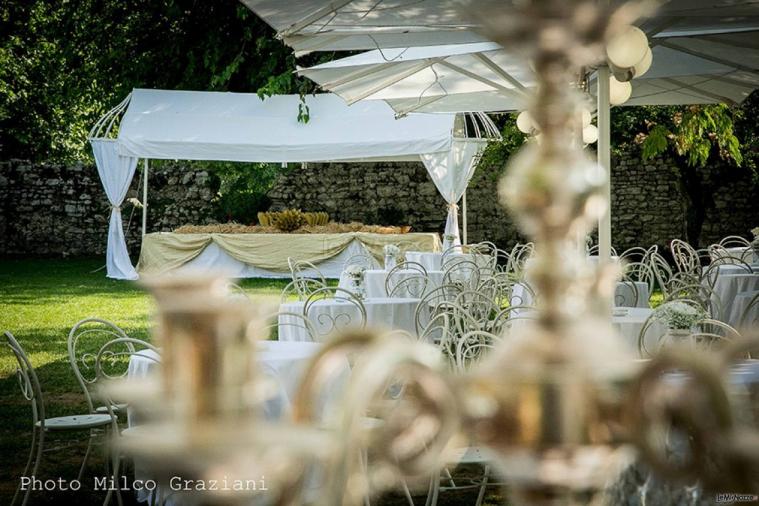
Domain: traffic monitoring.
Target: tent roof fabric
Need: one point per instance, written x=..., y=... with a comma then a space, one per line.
x=200, y=125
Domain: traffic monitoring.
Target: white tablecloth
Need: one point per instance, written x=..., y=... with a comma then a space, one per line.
x=433, y=261
x=737, y=269
x=374, y=281
x=282, y=364
x=738, y=307
x=623, y=292
x=741, y=253
x=631, y=323
x=728, y=286
x=624, y=296
x=216, y=259
x=392, y=313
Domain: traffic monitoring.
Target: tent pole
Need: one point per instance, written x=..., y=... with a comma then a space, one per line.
x=604, y=162
x=463, y=214
x=144, y=196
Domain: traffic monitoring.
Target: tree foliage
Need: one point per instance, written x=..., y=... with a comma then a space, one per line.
x=695, y=134
x=64, y=63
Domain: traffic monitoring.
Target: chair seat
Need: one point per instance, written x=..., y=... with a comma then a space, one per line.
x=76, y=422
x=116, y=408
x=468, y=455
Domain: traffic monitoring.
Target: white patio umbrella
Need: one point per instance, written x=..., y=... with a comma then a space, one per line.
x=484, y=77
x=460, y=77
x=346, y=25
x=720, y=34
x=686, y=69
x=342, y=25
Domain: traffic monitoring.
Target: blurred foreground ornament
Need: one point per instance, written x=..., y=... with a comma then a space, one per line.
x=204, y=418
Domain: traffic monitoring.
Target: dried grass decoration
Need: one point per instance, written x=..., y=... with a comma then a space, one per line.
x=329, y=228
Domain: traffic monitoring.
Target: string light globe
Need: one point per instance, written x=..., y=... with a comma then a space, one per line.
x=627, y=48
x=589, y=134
x=619, y=92
x=525, y=124
x=643, y=65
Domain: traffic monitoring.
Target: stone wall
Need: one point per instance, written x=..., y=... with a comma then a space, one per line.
x=649, y=203
x=57, y=210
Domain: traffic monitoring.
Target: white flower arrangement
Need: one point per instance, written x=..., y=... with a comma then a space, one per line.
x=680, y=315
x=392, y=250
x=355, y=271
x=755, y=242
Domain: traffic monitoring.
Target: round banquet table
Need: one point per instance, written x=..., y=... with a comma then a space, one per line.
x=728, y=286
x=629, y=322
x=622, y=293
x=281, y=364
x=325, y=314
x=374, y=281
x=738, y=307
x=433, y=261
x=737, y=269
x=740, y=252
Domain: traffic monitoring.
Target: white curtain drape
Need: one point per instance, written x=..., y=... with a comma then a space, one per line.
x=451, y=171
x=116, y=173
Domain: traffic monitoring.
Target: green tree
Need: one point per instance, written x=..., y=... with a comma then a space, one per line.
x=703, y=140
x=64, y=63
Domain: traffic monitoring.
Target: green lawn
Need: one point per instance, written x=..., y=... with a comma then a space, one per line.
x=40, y=300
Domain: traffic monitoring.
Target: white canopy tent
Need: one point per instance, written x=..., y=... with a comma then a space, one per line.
x=192, y=125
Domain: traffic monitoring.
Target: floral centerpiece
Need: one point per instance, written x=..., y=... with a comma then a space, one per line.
x=680, y=316
x=755, y=242
x=392, y=256
x=355, y=274
x=448, y=241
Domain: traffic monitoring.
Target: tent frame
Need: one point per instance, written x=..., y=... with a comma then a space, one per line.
x=478, y=127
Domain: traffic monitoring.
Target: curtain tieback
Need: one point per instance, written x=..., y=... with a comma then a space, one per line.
x=453, y=205
x=115, y=208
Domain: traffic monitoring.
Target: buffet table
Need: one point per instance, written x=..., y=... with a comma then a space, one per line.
x=265, y=255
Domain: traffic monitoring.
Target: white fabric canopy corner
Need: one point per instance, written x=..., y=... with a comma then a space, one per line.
x=116, y=172
x=192, y=125
x=451, y=172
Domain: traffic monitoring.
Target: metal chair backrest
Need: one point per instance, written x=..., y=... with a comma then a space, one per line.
x=300, y=269
x=289, y=319
x=634, y=254
x=685, y=256
x=408, y=279
x=300, y=289
x=750, y=316
x=434, y=302
x=86, y=337
x=350, y=313
x=472, y=347
x=28, y=381
x=361, y=259
x=734, y=241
